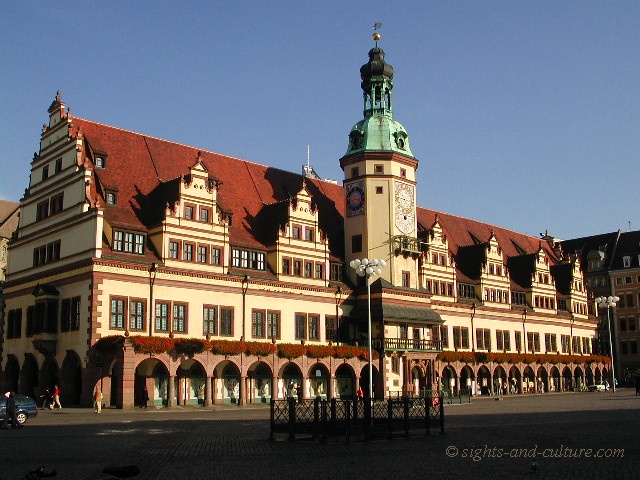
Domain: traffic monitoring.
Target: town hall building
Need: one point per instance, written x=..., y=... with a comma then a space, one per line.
x=140, y=262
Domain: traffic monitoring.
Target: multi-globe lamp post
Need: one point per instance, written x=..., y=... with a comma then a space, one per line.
x=369, y=268
x=609, y=302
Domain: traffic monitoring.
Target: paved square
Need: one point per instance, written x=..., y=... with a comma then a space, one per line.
x=573, y=435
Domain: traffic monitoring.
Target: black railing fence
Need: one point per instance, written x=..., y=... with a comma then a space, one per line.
x=360, y=417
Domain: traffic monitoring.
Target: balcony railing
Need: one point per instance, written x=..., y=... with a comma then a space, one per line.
x=406, y=344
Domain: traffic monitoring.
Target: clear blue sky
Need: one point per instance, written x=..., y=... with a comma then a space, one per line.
x=522, y=114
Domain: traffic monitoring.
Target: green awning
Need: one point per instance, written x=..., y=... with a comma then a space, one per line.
x=400, y=313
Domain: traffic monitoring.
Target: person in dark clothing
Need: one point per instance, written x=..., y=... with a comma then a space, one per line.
x=145, y=398
x=46, y=398
x=10, y=414
x=637, y=385
x=5, y=417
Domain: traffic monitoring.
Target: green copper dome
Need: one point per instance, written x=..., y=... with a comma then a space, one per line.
x=378, y=131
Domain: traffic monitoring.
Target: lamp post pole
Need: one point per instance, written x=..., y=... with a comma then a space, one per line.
x=153, y=271
x=608, y=302
x=369, y=268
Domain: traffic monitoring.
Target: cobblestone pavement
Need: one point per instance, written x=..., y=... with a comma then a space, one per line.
x=485, y=439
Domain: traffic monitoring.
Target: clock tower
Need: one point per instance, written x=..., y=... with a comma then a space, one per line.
x=379, y=180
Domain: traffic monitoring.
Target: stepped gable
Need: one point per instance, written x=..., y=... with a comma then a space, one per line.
x=143, y=171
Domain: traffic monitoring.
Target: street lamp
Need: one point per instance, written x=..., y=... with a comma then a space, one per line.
x=153, y=272
x=369, y=268
x=608, y=302
x=524, y=330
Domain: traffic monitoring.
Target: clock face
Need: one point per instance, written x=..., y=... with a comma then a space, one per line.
x=405, y=208
x=355, y=199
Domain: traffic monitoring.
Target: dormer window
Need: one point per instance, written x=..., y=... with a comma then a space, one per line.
x=626, y=262
x=111, y=198
x=308, y=234
x=204, y=214
x=101, y=162
x=128, y=242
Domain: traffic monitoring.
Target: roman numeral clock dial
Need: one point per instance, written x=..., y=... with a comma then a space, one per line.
x=405, y=208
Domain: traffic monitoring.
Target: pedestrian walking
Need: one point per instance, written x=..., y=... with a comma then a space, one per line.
x=46, y=397
x=97, y=400
x=5, y=417
x=637, y=385
x=56, y=398
x=10, y=412
x=145, y=398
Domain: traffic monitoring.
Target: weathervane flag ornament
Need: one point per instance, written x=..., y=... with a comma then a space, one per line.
x=376, y=36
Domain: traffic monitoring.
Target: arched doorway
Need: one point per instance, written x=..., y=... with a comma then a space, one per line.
x=345, y=382
x=484, y=380
x=500, y=383
x=115, y=384
x=542, y=380
x=11, y=374
x=589, y=375
x=319, y=381
x=364, y=380
x=292, y=381
x=230, y=378
x=554, y=379
x=450, y=380
x=29, y=376
x=49, y=374
x=71, y=379
x=528, y=380
x=418, y=379
x=578, y=376
x=467, y=380
x=189, y=383
x=514, y=380
x=598, y=375
x=567, y=379
x=260, y=377
x=153, y=374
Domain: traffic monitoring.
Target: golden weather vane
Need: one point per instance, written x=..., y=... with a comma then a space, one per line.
x=376, y=36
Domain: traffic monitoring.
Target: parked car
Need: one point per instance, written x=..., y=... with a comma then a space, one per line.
x=599, y=387
x=25, y=405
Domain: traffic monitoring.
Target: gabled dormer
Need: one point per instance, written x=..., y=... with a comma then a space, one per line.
x=300, y=251
x=495, y=283
x=437, y=269
x=543, y=284
x=569, y=282
x=193, y=231
x=198, y=194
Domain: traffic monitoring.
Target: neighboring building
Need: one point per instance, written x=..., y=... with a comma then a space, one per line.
x=611, y=264
x=136, y=258
x=8, y=225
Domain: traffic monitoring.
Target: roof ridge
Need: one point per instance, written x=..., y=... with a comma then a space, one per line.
x=481, y=222
x=145, y=135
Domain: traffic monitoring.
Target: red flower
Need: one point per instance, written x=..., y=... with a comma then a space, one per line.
x=291, y=350
x=151, y=344
x=260, y=349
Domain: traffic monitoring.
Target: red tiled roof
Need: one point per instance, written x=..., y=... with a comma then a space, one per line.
x=141, y=169
x=137, y=165
x=462, y=232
